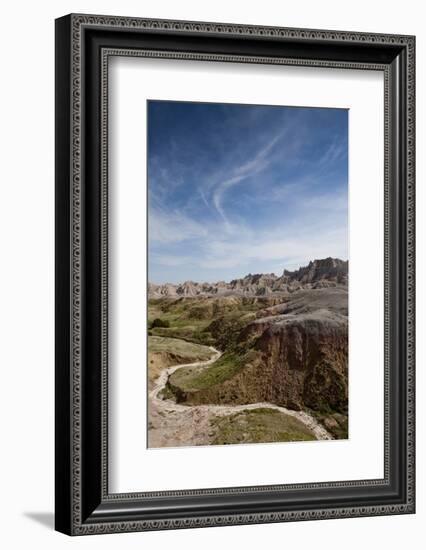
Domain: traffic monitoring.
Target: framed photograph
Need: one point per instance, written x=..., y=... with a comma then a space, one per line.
x=234, y=274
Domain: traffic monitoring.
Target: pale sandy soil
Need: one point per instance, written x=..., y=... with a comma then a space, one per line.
x=174, y=425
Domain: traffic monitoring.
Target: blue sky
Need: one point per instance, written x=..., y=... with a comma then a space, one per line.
x=237, y=189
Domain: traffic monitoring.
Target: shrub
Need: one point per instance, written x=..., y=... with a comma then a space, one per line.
x=160, y=323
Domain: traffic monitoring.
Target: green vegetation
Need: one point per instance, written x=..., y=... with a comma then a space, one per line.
x=204, y=320
x=160, y=323
x=189, y=333
x=181, y=328
x=326, y=388
x=226, y=329
x=186, y=350
x=166, y=393
x=261, y=425
x=200, y=378
x=164, y=352
x=326, y=398
x=176, y=322
x=335, y=423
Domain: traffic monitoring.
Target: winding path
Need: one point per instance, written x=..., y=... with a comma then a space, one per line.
x=172, y=424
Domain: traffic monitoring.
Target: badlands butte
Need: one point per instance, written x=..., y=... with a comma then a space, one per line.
x=263, y=358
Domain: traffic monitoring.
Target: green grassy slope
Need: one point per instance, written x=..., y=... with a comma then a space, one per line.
x=164, y=352
x=259, y=425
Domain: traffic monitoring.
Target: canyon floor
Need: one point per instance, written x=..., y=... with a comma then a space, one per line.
x=261, y=362
x=172, y=424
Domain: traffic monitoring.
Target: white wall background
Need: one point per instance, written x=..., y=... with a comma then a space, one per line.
x=26, y=289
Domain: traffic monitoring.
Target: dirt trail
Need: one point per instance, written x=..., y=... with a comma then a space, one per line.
x=174, y=425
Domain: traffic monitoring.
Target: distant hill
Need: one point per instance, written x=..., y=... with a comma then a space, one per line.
x=328, y=272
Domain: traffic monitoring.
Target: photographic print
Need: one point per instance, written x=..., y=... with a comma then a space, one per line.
x=202, y=268
x=247, y=274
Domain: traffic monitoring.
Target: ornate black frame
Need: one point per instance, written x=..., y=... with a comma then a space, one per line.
x=83, y=46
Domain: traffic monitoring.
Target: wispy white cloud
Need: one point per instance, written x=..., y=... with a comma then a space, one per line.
x=285, y=245
x=239, y=173
x=285, y=249
x=172, y=260
x=220, y=192
x=260, y=159
x=333, y=202
x=335, y=151
x=203, y=197
x=291, y=206
x=172, y=227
